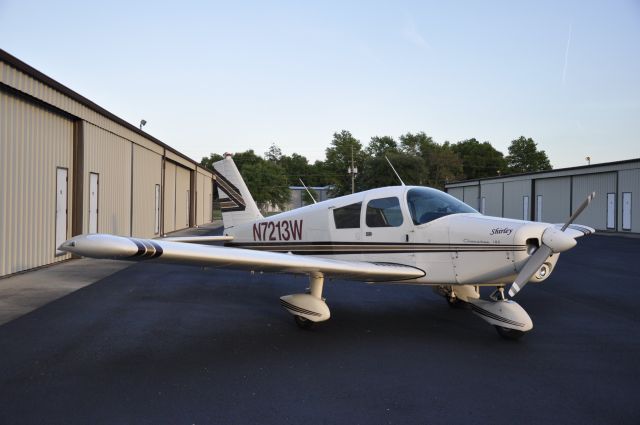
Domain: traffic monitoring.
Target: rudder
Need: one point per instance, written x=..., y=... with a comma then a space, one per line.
x=236, y=203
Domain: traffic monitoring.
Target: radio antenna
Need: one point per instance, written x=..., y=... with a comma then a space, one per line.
x=394, y=170
x=307, y=189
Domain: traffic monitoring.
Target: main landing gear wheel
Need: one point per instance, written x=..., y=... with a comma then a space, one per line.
x=303, y=322
x=507, y=333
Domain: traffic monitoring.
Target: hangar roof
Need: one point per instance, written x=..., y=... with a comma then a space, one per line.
x=558, y=172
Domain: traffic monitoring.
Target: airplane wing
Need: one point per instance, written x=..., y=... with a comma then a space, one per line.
x=577, y=230
x=133, y=249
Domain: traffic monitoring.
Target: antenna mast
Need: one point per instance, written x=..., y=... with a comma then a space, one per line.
x=305, y=188
x=394, y=170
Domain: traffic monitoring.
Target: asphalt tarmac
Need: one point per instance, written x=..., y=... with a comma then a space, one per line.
x=156, y=344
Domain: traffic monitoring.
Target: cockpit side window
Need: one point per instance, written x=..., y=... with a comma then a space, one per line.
x=347, y=217
x=427, y=204
x=384, y=212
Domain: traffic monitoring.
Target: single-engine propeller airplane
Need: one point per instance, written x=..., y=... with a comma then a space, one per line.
x=400, y=234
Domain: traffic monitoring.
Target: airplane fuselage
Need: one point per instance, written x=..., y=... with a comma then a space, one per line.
x=414, y=226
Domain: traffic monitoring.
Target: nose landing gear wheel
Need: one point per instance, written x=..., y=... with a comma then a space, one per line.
x=507, y=333
x=302, y=322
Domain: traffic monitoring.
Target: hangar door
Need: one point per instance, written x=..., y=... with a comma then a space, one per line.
x=177, y=197
x=553, y=200
x=36, y=148
x=603, y=184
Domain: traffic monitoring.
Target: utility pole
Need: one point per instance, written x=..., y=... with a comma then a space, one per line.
x=353, y=170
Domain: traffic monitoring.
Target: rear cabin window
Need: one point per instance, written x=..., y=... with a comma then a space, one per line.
x=347, y=217
x=384, y=212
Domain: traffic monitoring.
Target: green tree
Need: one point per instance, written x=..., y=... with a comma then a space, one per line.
x=441, y=163
x=274, y=153
x=380, y=146
x=416, y=144
x=296, y=167
x=524, y=157
x=479, y=159
x=339, y=155
x=378, y=173
x=207, y=162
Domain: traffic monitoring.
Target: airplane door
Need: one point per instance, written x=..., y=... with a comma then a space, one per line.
x=93, y=202
x=61, y=208
x=385, y=230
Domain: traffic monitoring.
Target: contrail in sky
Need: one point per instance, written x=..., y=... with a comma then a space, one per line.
x=566, y=55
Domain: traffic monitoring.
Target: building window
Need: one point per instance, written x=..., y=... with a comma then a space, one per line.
x=347, y=217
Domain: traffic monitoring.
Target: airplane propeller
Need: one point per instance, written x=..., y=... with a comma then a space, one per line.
x=554, y=241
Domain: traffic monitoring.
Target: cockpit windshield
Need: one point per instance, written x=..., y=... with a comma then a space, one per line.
x=427, y=204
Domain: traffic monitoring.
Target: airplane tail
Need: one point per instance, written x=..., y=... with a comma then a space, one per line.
x=236, y=202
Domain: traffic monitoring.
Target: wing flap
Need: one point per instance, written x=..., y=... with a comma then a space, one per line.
x=133, y=249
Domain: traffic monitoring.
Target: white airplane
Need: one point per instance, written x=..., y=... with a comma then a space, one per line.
x=400, y=234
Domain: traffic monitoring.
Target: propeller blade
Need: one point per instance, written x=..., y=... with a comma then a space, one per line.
x=552, y=241
x=577, y=212
x=530, y=268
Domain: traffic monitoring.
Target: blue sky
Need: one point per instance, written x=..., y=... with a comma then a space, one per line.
x=230, y=76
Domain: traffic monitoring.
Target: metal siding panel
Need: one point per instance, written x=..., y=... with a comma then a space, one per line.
x=110, y=156
x=596, y=215
x=183, y=184
x=33, y=143
x=630, y=182
x=456, y=192
x=169, y=197
x=200, y=199
x=471, y=195
x=513, y=194
x=556, y=196
x=209, y=199
x=147, y=173
x=492, y=193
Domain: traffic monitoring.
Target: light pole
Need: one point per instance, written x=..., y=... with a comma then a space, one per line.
x=142, y=123
x=353, y=170
x=588, y=159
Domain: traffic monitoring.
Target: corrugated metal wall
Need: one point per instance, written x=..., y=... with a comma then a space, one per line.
x=169, y=197
x=109, y=156
x=183, y=184
x=556, y=204
x=147, y=173
x=471, y=196
x=33, y=143
x=200, y=198
x=629, y=181
x=38, y=135
x=204, y=193
x=603, y=183
x=492, y=193
x=457, y=192
x=514, y=191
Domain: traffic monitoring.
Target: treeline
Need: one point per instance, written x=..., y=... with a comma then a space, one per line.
x=418, y=159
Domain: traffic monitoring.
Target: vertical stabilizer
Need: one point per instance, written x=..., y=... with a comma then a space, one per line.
x=236, y=202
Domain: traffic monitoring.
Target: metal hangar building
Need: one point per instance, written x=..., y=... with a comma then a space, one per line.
x=551, y=196
x=68, y=166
